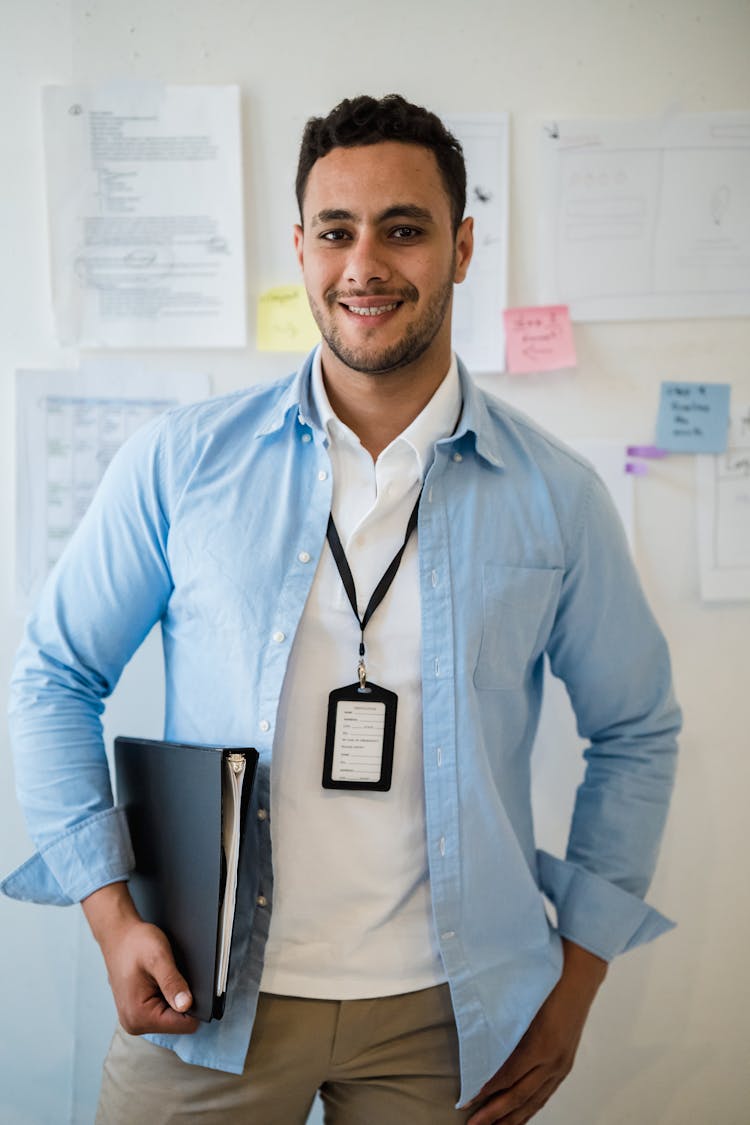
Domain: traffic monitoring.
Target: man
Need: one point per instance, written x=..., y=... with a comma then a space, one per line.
x=399, y=942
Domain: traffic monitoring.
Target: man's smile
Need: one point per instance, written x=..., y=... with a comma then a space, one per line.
x=370, y=310
x=373, y=306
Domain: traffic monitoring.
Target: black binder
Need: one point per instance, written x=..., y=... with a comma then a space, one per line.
x=186, y=807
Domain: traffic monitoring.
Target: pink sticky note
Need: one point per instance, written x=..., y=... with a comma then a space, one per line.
x=539, y=339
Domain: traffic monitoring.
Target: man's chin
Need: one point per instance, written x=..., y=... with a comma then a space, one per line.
x=384, y=362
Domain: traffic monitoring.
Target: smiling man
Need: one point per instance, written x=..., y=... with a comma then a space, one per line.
x=360, y=570
x=380, y=267
x=380, y=273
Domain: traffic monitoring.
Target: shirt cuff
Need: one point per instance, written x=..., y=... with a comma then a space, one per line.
x=594, y=913
x=73, y=865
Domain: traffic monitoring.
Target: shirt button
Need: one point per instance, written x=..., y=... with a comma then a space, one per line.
x=262, y=814
x=307, y=437
x=303, y=557
x=457, y=457
x=279, y=637
x=262, y=900
x=448, y=935
x=322, y=475
x=264, y=724
x=442, y=845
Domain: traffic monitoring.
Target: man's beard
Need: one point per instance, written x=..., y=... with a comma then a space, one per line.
x=413, y=344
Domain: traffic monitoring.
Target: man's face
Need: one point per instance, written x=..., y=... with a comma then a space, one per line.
x=379, y=257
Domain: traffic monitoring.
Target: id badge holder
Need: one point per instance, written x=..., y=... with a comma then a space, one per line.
x=359, y=738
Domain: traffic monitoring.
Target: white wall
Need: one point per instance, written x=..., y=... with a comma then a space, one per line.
x=667, y=1041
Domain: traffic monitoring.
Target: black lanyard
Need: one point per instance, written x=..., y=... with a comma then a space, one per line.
x=383, y=585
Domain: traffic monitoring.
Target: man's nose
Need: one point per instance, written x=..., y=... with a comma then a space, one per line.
x=367, y=261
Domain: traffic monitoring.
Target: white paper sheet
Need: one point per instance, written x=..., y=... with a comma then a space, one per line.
x=144, y=197
x=723, y=483
x=647, y=218
x=69, y=425
x=358, y=741
x=478, y=303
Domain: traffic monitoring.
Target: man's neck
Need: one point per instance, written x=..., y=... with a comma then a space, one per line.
x=377, y=408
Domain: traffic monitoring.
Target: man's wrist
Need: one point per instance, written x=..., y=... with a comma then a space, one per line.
x=108, y=909
x=582, y=969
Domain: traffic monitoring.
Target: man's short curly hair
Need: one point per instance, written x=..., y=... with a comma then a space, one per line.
x=366, y=121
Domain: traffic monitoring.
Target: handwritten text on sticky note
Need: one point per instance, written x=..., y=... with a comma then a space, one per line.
x=539, y=339
x=693, y=417
x=285, y=323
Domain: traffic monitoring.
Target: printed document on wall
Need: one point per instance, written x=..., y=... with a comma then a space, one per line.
x=69, y=425
x=479, y=301
x=144, y=197
x=647, y=218
x=724, y=516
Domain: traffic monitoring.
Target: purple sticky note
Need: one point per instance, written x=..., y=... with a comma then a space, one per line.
x=636, y=469
x=650, y=451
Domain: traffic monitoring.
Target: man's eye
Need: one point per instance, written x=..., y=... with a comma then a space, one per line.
x=405, y=232
x=334, y=235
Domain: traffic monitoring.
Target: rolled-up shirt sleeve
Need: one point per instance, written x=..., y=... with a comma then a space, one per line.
x=110, y=587
x=610, y=653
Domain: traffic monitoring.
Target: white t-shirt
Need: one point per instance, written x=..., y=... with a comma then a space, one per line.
x=351, y=913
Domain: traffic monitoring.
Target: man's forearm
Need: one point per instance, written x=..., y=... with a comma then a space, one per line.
x=109, y=910
x=585, y=971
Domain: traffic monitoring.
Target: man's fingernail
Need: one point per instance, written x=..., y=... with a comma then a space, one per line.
x=182, y=1000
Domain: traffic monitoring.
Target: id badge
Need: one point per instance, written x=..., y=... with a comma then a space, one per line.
x=359, y=738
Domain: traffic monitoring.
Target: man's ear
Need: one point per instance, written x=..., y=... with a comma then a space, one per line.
x=464, y=248
x=299, y=237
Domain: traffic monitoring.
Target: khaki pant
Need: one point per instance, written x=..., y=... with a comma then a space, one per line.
x=392, y=1060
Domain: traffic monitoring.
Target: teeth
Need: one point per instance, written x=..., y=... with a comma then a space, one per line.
x=375, y=311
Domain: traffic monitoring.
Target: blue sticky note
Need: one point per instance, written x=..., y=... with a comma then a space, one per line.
x=693, y=417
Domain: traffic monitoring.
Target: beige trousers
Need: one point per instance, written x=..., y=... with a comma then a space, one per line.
x=392, y=1060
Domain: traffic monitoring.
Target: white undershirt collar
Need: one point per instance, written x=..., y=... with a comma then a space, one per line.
x=436, y=420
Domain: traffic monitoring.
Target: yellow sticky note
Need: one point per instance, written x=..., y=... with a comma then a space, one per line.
x=285, y=323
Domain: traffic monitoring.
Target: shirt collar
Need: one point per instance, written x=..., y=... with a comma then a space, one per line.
x=476, y=420
x=436, y=420
x=475, y=416
x=294, y=397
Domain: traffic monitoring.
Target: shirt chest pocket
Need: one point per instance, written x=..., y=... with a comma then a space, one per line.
x=518, y=607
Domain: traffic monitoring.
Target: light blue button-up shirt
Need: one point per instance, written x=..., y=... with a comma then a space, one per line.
x=211, y=521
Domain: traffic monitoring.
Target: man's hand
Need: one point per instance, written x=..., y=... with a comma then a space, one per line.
x=149, y=991
x=545, y=1054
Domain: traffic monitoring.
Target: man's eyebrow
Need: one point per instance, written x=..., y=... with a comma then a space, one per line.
x=406, y=211
x=333, y=215
x=395, y=211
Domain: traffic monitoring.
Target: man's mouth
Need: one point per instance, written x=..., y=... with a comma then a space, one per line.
x=371, y=310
